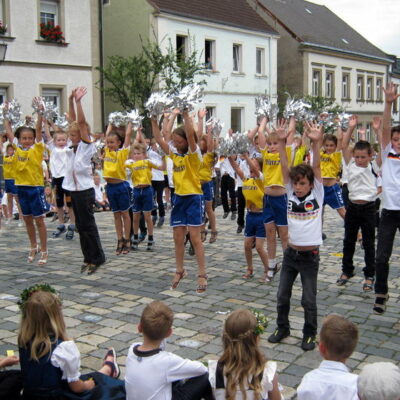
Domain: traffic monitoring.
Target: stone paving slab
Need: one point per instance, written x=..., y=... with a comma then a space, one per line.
x=103, y=309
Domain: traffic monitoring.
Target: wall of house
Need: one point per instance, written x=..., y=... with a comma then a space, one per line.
x=225, y=88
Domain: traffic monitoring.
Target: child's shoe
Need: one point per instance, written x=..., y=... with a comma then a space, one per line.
x=308, y=342
x=279, y=335
x=150, y=245
x=70, y=232
x=142, y=236
x=135, y=244
x=160, y=222
x=60, y=230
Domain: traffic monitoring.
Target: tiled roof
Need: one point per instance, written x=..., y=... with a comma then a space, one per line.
x=313, y=23
x=237, y=13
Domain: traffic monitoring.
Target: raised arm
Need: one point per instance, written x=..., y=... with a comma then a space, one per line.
x=7, y=127
x=190, y=133
x=377, y=127
x=71, y=115
x=167, y=132
x=391, y=96
x=262, y=140
x=139, y=136
x=251, y=134
x=128, y=134
x=200, y=122
x=157, y=135
x=210, y=140
x=339, y=136
x=236, y=167
x=80, y=115
x=346, y=138
x=283, y=133
x=315, y=133
x=291, y=131
x=250, y=162
x=39, y=124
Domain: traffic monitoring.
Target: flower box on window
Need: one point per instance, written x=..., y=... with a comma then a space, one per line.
x=3, y=28
x=51, y=33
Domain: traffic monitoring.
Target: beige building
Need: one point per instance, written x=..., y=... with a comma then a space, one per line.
x=35, y=66
x=320, y=55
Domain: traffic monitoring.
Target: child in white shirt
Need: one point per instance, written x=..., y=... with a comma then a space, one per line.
x=152, y=372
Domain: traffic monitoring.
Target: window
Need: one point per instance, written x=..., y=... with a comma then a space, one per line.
x=345, y=86
x=236, y=119
x=53, y=95
x=369, y=88
x=3, y=95
x=360, y=88
x=181, y=47
x=209, y=54
x=260, y=61
x=396, y=106
x=316, y=83
x=106, y=2
x=211, y=112
x=237, y=57
x=49, y=12
x=379, y=89
x=368, y=132
x=329, y=90
x=1, y=12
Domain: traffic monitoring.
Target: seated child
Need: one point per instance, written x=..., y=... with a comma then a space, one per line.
x=50, y=362
x=242, y=371
x=101, y=201
x=152, y=372
x=332, y=379
x=379, y=381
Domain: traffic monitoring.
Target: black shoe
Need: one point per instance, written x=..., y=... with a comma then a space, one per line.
x=279, y=335
x=160, y=222
x=308, y=342
x=142, y=236
x=233, y=216
x=135, y=245
x=323, y=236
x=150, y=245
x=225, y=215
x=70, y=232
x=60, y=229
x=239, y=229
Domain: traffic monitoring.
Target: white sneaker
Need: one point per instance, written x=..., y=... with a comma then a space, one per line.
x=20, y=224
x=8, y=221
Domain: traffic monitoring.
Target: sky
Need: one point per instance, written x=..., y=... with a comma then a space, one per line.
x=377, y=20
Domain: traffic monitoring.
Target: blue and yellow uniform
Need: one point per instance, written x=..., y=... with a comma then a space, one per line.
x=299, y=154
x=143, y=193
x=8, y=173
x=119, y=194
x=205, y=175
x=331, y=165
x=189, y=200
x=275, y=207
x=29, y=180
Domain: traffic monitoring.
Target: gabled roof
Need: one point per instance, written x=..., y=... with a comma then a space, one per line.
x=315, y=24
x=235, y=13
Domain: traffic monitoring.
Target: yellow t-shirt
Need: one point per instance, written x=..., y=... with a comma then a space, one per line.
x=272, y=170
x=8, y=167
x=331, y=164
x=299, y=155
x=141, y=172
x=205, y=172
x=114, y=163
x=186, y=173
x=28, y=165
x=253, y=192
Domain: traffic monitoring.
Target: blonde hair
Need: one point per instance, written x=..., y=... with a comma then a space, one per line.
x=272, y=137
x=156, y=320
x=139, y=147
x=42, y=324
x=243, y=362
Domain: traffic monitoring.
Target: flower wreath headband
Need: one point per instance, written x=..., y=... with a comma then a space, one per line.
x=27, y=293
x=259, y=329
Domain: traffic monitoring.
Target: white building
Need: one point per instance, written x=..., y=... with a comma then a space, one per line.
x=239, y=48
x=34, y=66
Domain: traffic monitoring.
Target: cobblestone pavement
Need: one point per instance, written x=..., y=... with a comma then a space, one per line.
x=103, y=309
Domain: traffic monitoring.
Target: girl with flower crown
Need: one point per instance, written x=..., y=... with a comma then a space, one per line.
x=50, y=361
x=242, y=372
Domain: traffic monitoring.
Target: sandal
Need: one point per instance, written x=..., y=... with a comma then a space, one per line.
x=368, y=287
x=265, y=278
x=204, y=235
x=32, y=254
x=343, y=279
x=380, y=303
x=43, y=257
x=92, y=268
x=202, y=288
x=180, y=274
x=249, y=274
x=213, y=237
x=126, y=246
x=115, y=371
x=120, y=247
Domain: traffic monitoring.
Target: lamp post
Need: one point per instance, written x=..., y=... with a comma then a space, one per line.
x=3, y=51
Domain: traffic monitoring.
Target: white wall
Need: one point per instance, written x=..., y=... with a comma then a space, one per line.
x=224, y=88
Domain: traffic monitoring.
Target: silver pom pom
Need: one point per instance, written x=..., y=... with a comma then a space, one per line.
x=62, y=122
x=296, y=108
x=344, y=120
x=13, y=113
x=216, y=126
x=158, y=103
x=188, y=97
x=135, y=118
x=117, y=119
x=46, y=108
x=264, y=108
x=238, y=143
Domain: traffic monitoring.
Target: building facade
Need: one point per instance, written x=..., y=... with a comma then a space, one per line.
x=34, y=66
x=238, y=48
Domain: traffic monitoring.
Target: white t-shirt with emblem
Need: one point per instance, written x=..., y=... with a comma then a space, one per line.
x=390, y=178
x=305, y=217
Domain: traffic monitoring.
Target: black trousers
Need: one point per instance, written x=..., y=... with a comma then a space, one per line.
x=388, y=226
x=158, y=187
x=306, y=264
x=192, y=389
x=82, y=204
x=359, y=216
x=241, y=207
x=228, y=184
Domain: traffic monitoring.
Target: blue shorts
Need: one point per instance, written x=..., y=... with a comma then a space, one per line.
x=32, y=201
x=255, y=225
x=188, y=210
x=275, y=210
x=10, y=186
x=208, y=190
x=119, y=196
x=143, y=199
x=333, y=196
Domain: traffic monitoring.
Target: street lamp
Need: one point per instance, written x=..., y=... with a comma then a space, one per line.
x=3, y=51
